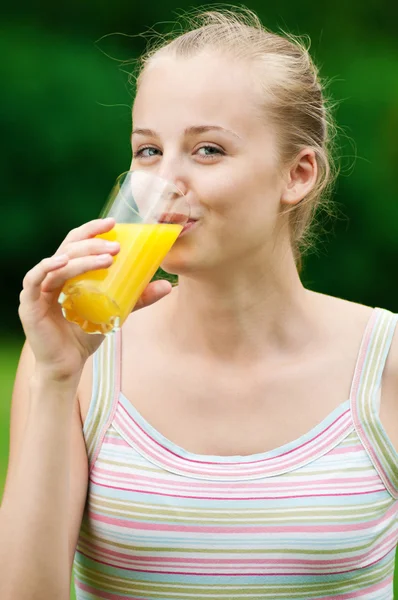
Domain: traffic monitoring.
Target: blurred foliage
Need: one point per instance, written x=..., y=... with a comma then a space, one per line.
x=66, y=123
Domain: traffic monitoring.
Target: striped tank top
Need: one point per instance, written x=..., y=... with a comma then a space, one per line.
x=312, y=519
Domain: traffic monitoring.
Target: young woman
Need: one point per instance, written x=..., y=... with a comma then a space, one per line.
x=238, y=438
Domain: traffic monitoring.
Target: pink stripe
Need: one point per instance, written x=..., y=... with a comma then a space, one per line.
x=227, y=529
x=355, y=482
x=304, y=490
x=362, y=355
x=224, y=468
x=233, y=498
x=218, y=574
x=377, y=587
x=100, y=594
x=116, y=394
x=96, y=551
x=119, y=441
x=128, y=417
x=352, y=449
x=357, y=448
x=233, y=562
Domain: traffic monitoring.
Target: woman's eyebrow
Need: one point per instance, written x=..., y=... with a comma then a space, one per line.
x=195, y=129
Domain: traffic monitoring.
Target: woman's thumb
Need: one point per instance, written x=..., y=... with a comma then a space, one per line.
x=155, y=291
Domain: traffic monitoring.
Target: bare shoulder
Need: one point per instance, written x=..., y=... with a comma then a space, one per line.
x=350, y=317
x=389, y=384
x=346, y=318
x=360, y=312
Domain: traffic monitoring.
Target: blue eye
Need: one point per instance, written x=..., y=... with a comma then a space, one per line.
x=151, y=152
x=210, y=151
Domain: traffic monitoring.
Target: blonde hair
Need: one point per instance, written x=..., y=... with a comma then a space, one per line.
x=294, y=98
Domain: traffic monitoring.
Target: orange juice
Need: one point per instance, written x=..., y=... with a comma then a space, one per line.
x=101, y=300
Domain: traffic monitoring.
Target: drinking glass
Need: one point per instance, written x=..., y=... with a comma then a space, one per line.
x=150, y=213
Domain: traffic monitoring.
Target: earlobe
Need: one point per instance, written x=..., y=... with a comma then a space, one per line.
x=290, y=196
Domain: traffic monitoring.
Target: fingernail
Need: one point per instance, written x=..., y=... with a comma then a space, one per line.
x=103, y=258
x=111, y=245
x=61, y=258
x=163, y=286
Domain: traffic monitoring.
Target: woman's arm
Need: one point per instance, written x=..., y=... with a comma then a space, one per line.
x=45, y=490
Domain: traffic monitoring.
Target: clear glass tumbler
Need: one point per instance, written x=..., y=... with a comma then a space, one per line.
x=150, y=213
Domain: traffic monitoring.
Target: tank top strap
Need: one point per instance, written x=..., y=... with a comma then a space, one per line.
x=104, y=395
x=366, y=394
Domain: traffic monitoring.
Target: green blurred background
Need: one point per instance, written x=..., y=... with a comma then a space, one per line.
x=66, y=124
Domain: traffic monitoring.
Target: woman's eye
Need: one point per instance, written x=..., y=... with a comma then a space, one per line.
x=209, y=151
x=147, y=152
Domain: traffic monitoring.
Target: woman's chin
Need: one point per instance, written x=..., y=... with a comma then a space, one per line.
x=177, y=262
x=174, y=267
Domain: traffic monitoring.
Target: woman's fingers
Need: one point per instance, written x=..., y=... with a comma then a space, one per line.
x=88, y=230
x=75, y=267
x=155, y=291
x=80, y=243
x=80, y=253
x=90, y=247
x=34, y=278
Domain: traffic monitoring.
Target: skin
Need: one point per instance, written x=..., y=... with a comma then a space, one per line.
x=239, y=294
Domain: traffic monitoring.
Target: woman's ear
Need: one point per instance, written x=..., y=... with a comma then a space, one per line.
x=301, y=177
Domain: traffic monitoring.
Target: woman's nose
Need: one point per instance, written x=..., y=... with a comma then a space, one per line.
x=181, y=185
x=177, y=180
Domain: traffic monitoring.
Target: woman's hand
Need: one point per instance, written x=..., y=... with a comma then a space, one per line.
x=61, y=348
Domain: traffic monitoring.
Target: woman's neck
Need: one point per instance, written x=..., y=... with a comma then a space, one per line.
x=243, y=316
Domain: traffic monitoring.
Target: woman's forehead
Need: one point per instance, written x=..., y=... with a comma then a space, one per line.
x=205, y=63
x=204, y=87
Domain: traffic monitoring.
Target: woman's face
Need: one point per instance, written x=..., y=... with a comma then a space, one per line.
x=196, y=121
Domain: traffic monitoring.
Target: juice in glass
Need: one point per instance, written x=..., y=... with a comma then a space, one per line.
x=101, y=300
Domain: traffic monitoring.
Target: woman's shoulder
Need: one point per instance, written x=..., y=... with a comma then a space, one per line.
x=344, y=310
x=354, y=311
x=342, y=314
x=348, y=316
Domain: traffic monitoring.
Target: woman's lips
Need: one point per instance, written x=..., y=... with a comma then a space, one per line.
x=188, y=226
x=172, y=218
x=178, y=219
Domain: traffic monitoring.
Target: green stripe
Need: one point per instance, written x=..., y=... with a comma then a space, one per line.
x=87, y=572
x=267, y=516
